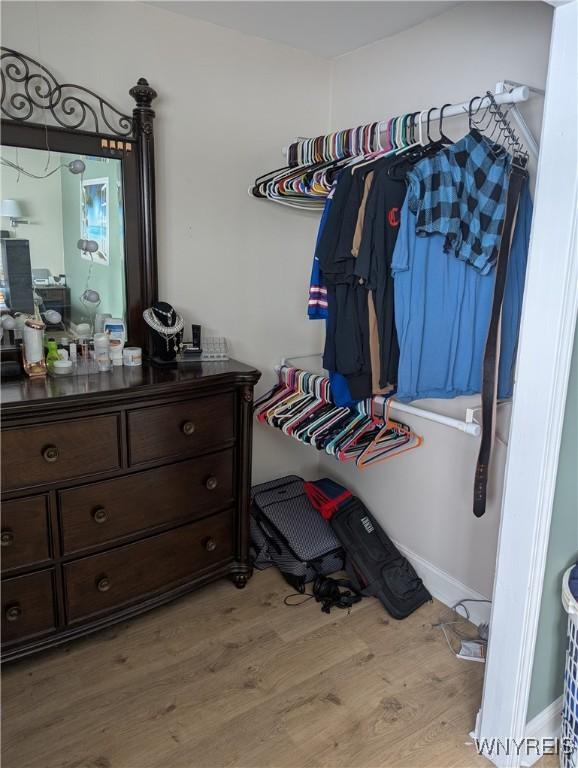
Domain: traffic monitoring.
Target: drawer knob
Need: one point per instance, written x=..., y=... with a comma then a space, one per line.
x=210, y=544
x=211, y=483
x=7, y=537
x=13, y=612
x=50, y=454
x=188, y=428
x=103, y=584
x=99, y=515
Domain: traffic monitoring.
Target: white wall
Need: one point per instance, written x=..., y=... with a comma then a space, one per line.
x=41, y=201
x=227, y=104
x=424, y=498
x=239, y=266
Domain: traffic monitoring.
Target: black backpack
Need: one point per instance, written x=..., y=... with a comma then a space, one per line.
x=374, y=564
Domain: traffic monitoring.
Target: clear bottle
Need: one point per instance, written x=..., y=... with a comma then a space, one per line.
x=102, y=352
x=33, y=348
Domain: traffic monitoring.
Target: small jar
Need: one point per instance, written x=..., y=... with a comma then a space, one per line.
x=132, y=356
x=116, y=356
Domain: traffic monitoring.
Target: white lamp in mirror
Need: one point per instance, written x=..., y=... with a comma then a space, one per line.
x=13, y=210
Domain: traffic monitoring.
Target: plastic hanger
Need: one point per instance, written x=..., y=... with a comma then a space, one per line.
x=350, y=447
x=471, y=113
x=292, y=405
x=285, y=400
x=392, y=439
x=356, y=416
x=429, y=138
x=327, y=425
x=443, y=138
x=283, y=389
x=412, y=152
x=309, y=406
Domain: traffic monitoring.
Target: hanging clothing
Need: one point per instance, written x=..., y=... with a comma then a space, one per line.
x=317, y=305
x=317, y=308
x=373, y=263
x=347, y=349
x=347, y=330
x=460, y=192
x=354, y=252
x=356, y=242
x=443, y=309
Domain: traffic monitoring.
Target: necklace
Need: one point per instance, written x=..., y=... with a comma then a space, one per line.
x=168, y=315
x=166, y=331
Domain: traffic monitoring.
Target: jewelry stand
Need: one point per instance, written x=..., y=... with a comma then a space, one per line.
x=165, y=344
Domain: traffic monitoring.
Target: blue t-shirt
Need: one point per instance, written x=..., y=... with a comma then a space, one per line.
x=443, y=308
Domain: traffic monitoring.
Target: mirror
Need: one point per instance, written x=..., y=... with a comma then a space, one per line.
x=63, y=239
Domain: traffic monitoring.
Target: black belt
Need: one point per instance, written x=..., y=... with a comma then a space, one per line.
x=492, y=348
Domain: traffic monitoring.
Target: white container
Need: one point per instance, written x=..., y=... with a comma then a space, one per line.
x=116, y=329
x=61, y=367
x=569, y=745
x=132, y=356
x=116, y=356
x=33, y=344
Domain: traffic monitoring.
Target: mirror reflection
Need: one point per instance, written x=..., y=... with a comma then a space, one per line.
x=62, y=238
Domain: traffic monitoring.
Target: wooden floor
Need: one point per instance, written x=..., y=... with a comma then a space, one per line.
x=236, y=678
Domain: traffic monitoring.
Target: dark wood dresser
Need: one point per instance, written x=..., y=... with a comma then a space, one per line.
x=120, y=491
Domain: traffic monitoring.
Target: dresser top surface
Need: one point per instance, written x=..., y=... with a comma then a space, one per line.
x=121, y=382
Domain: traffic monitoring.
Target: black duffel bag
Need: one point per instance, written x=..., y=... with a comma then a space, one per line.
x=374, y=564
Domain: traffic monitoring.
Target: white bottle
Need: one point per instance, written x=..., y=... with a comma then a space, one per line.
x=115, y=327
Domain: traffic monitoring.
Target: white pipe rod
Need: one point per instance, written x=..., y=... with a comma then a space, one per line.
x=521, y=93
x=469, y=427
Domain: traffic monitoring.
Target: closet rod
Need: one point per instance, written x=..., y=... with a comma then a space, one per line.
x=469, y=427
x=516, y=95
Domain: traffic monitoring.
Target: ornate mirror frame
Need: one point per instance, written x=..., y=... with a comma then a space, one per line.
x=38, y=112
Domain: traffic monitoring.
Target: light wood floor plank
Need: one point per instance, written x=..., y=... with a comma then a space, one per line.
x=229, y=679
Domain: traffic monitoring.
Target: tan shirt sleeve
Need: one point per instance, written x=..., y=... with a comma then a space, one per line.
x=361, y=215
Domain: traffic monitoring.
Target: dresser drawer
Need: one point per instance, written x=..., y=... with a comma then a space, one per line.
x=98, y=513
x=182, y=429
x=24, y=538
x=60, y=450
x=102, y=582
x=27, y=606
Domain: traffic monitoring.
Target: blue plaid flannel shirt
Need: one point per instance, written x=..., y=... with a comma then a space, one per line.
x=461, y=193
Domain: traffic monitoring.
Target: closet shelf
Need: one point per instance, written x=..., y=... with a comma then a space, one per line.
x=468, y=427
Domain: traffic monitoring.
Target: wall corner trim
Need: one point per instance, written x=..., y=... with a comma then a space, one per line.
x=531, y=469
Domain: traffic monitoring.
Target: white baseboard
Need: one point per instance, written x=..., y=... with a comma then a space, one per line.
x=546, y=725
x=446, y=588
